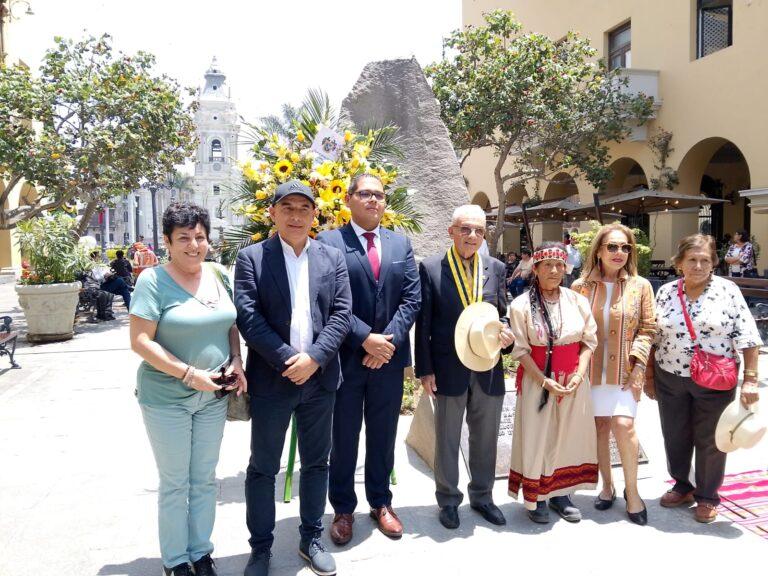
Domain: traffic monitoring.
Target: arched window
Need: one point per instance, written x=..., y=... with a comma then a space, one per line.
x=217, y=154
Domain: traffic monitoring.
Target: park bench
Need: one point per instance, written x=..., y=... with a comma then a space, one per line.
x=752, y=288
x=8, y=340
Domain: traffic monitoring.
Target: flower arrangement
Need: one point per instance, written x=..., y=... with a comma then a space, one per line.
x=284, y=151
x=52, y=252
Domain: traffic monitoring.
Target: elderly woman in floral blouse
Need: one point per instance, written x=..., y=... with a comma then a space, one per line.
x=689, y=412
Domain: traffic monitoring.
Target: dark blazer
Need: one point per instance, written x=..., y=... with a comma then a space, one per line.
x=440, y=310
x=388, y=306
x=263, y=301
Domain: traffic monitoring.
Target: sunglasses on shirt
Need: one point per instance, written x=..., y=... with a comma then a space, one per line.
x=613, y=248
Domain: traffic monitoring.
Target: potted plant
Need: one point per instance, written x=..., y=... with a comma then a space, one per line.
x=48, y=288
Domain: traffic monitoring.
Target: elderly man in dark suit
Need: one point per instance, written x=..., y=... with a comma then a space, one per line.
x=447, y=288
x=385, y=301
x=293, y=310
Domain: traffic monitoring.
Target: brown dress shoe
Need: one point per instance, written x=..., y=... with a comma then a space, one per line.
x=388, y=522
x=341, y=529
x=674, y=499
x=706, y=513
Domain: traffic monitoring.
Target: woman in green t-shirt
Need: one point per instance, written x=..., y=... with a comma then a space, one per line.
x=183, y=326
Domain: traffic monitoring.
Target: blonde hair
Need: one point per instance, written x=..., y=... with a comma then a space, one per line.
x=695, y=241
x=593, y=260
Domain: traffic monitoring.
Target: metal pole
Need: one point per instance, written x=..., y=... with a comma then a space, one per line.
x=153, y=190
x=527, y=226
x=598, y=211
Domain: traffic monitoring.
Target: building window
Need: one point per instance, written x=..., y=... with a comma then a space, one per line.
x=216, y=190
x=620, y=47
x=715, y=26
x=217, y=154
x=125, y=215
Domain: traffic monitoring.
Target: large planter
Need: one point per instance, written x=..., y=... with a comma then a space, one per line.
x=49, y=310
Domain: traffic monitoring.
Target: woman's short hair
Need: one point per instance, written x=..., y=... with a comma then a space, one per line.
x=185, y=215
x=525, y=252
x=704, y=241
x=743, y=234
x=119, y=254
x=593, y=259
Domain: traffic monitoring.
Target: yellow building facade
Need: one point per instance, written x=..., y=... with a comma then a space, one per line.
x=704, y=63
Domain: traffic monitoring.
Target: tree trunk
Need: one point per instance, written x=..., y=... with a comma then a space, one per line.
x=90, y=210
x=499, y=231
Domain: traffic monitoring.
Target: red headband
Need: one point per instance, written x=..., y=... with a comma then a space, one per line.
x=549, y=254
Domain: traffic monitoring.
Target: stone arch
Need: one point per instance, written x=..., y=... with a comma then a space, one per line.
x=515, y=195
x=562, y=185
x=481, y=199
x=628, y=175
x=717, y=168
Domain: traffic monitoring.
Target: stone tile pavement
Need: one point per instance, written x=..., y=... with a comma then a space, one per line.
x=78, y=490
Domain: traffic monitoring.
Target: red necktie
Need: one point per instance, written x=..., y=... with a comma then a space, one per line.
x=373, y=254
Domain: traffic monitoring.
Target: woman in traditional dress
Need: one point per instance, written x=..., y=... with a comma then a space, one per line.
x=554, y=450
x=623, y=307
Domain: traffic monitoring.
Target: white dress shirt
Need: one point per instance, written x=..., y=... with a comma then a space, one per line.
x=297, y=268
x=364, y=241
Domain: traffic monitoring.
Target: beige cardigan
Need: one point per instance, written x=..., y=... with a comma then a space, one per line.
x=631, y=324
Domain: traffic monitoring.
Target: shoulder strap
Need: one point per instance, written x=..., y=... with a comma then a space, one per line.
x=223, y=279
x=688, y=322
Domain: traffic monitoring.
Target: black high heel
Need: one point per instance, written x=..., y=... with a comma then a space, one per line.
x=601, y=504
x=639, y=518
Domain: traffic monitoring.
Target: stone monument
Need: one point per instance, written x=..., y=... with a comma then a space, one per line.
x=397, y=92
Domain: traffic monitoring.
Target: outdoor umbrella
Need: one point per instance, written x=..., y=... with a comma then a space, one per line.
x=644, y=201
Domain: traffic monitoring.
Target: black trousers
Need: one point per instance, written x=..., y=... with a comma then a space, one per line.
x=270, y=417
x=689, y=415
x=374, y=396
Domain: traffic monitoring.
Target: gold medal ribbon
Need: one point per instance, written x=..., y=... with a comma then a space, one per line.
x=469, y=293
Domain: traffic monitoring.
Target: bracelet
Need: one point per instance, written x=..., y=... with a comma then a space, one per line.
x=187, y=381
x=750, y=373
x=186, y=373
x=233, y=356
x=579, y=376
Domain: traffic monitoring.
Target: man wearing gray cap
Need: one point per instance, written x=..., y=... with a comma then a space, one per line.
x=294, y=309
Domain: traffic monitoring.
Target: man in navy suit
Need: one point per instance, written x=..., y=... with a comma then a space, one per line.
x=385, y=300
x=293, y=310
x=457, y=389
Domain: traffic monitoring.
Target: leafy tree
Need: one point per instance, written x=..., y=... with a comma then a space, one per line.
x=91, y=127
x=543, y=106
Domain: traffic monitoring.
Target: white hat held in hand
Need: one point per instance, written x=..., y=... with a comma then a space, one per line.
x=739, y=427
x=477, y=336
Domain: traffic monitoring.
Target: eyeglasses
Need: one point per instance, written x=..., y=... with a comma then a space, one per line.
x=467, y=231
x=368, y=194
x=613, y=248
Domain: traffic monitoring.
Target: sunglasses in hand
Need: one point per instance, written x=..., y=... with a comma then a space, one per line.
x=224, y=381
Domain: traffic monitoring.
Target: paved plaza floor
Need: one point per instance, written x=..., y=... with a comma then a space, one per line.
x=78, y=492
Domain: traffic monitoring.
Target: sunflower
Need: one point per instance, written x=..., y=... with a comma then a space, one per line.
x=283, y=169
x=256, y=236
x=338, y=187
x=261, y=194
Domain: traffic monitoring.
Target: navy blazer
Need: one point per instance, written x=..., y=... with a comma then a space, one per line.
x=435, y=326
x=388, y=306
x=263, y=301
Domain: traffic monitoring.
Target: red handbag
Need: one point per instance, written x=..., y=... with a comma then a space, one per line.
x=708, y=370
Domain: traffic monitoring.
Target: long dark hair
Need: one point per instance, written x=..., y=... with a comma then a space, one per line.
x=537, y=303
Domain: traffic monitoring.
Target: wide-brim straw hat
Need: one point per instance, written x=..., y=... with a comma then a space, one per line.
x=739, y=427
x=477, y=336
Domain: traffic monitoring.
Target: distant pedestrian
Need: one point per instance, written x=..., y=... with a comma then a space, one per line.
x=522, y=275
x=183, y=327
x=121, y=266
x=741, y=256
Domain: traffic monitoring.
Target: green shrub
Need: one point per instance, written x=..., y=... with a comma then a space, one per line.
x=411, y=394
x=50, y=245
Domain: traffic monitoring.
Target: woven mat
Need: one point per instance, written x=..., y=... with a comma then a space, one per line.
x=744, y=500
